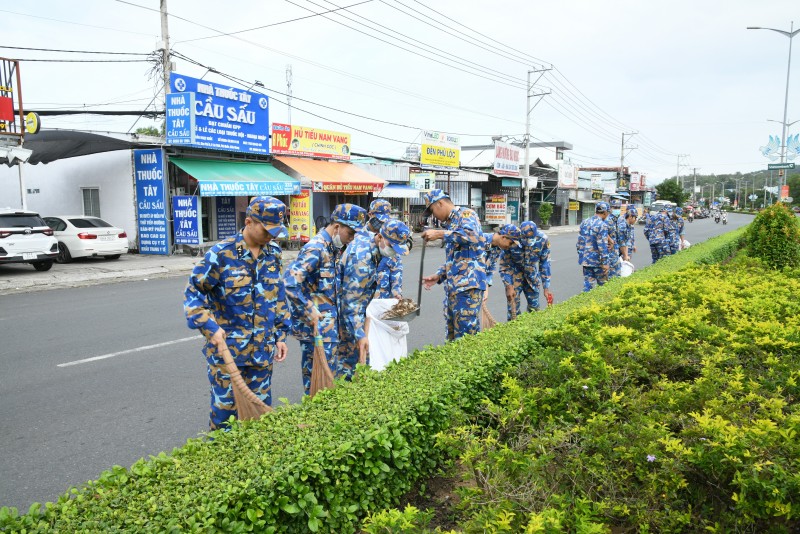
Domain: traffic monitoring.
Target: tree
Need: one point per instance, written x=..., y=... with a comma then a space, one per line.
x=672, y=191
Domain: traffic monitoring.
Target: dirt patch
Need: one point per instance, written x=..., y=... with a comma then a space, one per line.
x=440, y=496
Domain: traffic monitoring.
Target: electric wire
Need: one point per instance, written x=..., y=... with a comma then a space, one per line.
x=75, y=51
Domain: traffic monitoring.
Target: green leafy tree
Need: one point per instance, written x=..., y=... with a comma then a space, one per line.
x=672, y=191
x=774, y=236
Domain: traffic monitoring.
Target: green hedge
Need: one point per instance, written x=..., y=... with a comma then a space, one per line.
x=324, y=464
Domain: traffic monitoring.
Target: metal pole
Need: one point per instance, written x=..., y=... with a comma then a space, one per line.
x=22, y=193
x=786, y=101
x=526, y=169
x=694, y=187
x=165, y=51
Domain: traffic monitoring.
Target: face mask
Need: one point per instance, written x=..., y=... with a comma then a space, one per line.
x=615, y=212
x=337, y=241
x=388, y=252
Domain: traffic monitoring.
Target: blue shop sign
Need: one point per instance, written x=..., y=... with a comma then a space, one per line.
x=151, y=201
x=225, y=117
x=226, y=217
x=186, y=220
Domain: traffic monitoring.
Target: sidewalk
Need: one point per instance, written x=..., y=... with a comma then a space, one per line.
x=22, y=278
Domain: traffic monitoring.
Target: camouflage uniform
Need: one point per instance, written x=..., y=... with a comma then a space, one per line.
x=359, y=273
x=464, y=271
x=244, y=296
x=593, y=250
x=536, y=263
x=312, y=282
x=627, y=234
x=390, y=278
x=512, y=270
x=491, y=258
x=679, y=230
x=656, y=232
x=671, y=240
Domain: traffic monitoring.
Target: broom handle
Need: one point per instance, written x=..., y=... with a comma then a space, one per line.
x=421, y=275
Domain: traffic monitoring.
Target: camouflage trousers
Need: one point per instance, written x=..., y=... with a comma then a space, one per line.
x=674, y=246
x=348, y=357
x=257, y=377
x=462, y=312
x=655, y=252
x=307, y=360
x=523, y=286
x=593, y=276
x=615, y=269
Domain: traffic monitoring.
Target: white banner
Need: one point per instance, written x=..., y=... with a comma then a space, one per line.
x=506, y=159
x=567, y=176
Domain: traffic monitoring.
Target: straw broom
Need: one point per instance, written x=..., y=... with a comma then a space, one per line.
x=248, y=405
x=487, y=321
x=321, y=374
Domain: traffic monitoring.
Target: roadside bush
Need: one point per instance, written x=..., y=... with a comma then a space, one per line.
x=673, y=408
x=325, y=464
x=774, y=236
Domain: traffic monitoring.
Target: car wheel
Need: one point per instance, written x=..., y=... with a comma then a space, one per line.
x=43, y=265
x=63, y=254
x=112, y=257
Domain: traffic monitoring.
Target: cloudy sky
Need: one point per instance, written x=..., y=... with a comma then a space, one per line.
x=686, y=75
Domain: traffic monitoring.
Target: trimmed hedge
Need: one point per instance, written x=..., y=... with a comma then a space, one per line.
x=323, y=464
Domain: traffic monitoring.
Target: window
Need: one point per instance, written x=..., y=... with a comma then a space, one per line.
x=91, y=202
x=89, y=223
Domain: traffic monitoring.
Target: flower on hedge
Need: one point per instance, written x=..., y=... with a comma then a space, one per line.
x=651, y=458
x=585, y=388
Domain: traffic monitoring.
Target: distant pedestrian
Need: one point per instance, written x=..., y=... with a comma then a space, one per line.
x=359, y=269
x=313, y=288
x=236, y=298
x=464, y=271
x=592, y=246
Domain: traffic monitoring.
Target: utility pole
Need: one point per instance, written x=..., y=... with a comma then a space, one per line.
x=289, y=91
x=694, y=187
x=678, y=167
x=165, y=51
x=528, y=109
x=622, y=154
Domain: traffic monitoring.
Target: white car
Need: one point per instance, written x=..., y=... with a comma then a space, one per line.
x=26, y=238
x=81, y=236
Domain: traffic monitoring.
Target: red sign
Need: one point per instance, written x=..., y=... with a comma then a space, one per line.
x=784, y=191
x=6, y=108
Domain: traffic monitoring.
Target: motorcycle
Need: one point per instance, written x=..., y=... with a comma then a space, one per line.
x=690, y=217
x=724, y=219
x=716, y=219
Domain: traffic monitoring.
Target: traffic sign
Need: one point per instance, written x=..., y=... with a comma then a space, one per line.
x=752, y=197
x=773, y=166
x=788, y=200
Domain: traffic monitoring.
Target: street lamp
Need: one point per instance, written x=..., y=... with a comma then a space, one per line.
x=790, y=34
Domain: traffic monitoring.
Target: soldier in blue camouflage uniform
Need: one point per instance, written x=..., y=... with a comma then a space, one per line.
x=672, y=239
x=536, y=246
x=390, y=270
x=236, y=297
x=464, y=271
x=511, y=268
x=313, y=287
x=657, y=233
x=627, y=234
x=593, y=253
x=679, y=225
x=359, y=269
x=612, y=221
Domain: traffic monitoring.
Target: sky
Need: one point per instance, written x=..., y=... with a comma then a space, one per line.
x=694, y=86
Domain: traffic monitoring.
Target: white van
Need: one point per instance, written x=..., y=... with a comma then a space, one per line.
x=26, y=238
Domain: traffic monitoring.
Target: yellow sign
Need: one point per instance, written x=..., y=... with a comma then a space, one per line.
x=304, y=141
x=574, y=206
x=440, y=150
x=301, y=226
x=32, y=122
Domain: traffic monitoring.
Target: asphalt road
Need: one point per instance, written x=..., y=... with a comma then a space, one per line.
x=98, y=376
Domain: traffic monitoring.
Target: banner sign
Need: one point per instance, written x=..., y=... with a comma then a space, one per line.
x=574, y=205
x=350, y=188
x=305, y=141
x=506, y=159
x=151, y=201
x=226, y=217
x=301, y=227
x=567, y=176
x=424, y=181
x=186, y=220
x=211, y=188
x=495, y=209
x=205, y=114
x=513, y=210
x=784, y=191
x=610, y=187
x=440, y=151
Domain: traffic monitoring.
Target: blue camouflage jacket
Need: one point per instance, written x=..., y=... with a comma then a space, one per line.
x=358, y=271
x=490, y=258
x=243, y=295
x=512, y=264
x=612, y=221
x=627, y=234
x=537, y=259
x=658, y=230
x=390, y=278
x=464, y=268
x=592, y=245
x=312, y=282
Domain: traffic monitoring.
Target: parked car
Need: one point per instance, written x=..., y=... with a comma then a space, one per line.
x=26, y=238
x=82, y=236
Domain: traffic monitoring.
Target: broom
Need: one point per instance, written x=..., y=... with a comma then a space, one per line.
x=248, y=405
x=487, y=321
x=321, y=374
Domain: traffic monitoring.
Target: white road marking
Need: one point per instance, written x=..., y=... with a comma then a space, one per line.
x=130, y=351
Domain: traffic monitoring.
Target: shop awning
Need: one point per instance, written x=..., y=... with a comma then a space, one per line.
x=219, y=178
x=331, y=176
x=399, y=191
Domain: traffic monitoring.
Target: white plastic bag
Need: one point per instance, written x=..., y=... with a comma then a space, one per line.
x=685, y=244
x=387, y=339
x=626, y=269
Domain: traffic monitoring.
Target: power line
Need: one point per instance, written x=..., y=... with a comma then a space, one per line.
x=75, y=51
x=83, y=60
x=75, y=23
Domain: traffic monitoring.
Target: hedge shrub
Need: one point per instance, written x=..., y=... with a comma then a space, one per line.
x=774, y=236
x=673, y=408
x=324, y=464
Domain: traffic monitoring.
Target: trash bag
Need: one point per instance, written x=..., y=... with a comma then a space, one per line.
x=685, y=244
x=626, y=268
x=387, y=338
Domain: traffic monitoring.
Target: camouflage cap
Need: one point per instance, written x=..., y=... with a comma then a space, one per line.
x=269, y=211
x=349, y=215
x=431, y=197
x=398, y=235
x=601, y=207
x=632, y=211
x=528, y=229
x=511, y=231
x=616, y=203
x=380, y=209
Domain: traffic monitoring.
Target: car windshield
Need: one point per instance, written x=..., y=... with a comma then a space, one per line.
x=89, y=223
x=21, y=221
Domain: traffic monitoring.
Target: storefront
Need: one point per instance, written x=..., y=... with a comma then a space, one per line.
x=331, y=183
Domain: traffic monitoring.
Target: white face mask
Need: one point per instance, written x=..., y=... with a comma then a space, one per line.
x=337, y=241
x=615, y=212
x=388, y=252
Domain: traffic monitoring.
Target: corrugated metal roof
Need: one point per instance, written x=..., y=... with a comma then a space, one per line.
x=389, y=172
